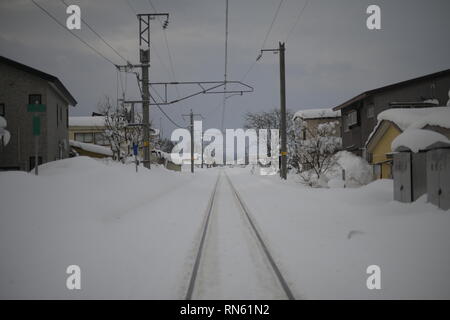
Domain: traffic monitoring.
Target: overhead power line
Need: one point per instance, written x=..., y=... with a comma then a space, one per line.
x=131, y=6
x=169, y=53
x=72, y=33
x=226, y=67
x=159, y=107
x=265, y=38
x=298, y=19
x=98, y=35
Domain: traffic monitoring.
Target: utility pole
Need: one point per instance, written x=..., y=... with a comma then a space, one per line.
x=192, y=141
x=144, y=55
x=202, y=150
x=283, y=148
x=191, y=130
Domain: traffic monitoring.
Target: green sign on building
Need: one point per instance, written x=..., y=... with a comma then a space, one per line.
x=36, y=119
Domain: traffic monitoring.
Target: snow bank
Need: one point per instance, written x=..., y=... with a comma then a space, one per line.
x=317, y=113
x=417, y=140
x=132, y=234
x=96, y=121
x=358, y=172
x=324, y=239
x=91, y=147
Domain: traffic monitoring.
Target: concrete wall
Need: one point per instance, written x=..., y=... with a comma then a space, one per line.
x=15, y=87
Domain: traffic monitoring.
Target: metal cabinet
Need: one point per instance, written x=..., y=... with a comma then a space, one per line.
x=438, y=177
x=402, y=177
x=410, y=176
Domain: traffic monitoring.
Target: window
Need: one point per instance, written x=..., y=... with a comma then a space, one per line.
x=34, y=99
x=84, y=137
x=100, y=139
x=67, y=117
x=2, y=110
x=352, y=118
x=57, y=115
x=344, y=124
x=371, y=111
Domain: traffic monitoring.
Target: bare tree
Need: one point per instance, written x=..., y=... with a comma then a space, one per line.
x=271, y=120
x=316, y=155
x=118, y=132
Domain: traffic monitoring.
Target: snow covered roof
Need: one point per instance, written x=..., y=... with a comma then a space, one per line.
x=317, y=114
x=405, y=118
x=91, y=147
x=410, y=118
x=439, y=118
x=97, y=121
x=417, y=140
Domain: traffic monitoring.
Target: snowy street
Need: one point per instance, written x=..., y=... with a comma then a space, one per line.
x=137, y=235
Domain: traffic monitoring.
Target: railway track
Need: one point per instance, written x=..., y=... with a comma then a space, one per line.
x=208, y=252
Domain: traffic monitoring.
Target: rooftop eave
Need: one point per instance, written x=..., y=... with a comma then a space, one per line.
x=351, y=101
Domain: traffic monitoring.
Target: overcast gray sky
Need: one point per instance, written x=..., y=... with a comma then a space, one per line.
x=331, y=55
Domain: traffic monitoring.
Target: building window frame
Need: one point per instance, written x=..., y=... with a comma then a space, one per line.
x=100, y=138
x=35, y=97
x=352, y=118
x=371, y=111
x=81, y=137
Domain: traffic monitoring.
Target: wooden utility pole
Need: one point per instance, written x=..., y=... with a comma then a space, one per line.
x=283, y=149
x=191, y=130
x=192, y=141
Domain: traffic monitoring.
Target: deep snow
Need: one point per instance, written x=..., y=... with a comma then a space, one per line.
x=135, y=235
x=131, y=234
x=324, y=239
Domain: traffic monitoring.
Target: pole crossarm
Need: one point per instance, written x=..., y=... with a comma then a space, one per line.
x=206, y=87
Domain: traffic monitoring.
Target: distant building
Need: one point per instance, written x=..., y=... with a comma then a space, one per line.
x=310, y=119
x=20, y=86
x=88, y=130
x=88, y=138
x=359, y=114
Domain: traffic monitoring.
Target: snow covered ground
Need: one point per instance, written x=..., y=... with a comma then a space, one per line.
x=131, y=234
x=135, y=235
x=324, y=239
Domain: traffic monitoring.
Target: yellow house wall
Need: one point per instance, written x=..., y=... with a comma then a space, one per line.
x=382, y=148
x=86, y=129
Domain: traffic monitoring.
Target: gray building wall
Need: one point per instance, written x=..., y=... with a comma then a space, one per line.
x=356, y=137
x=15, y=87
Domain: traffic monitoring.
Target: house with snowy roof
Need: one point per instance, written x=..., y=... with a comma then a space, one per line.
x=392, y=123
x=309, y=120
x=87, y=136
x=359, y=114
x=35, y=106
